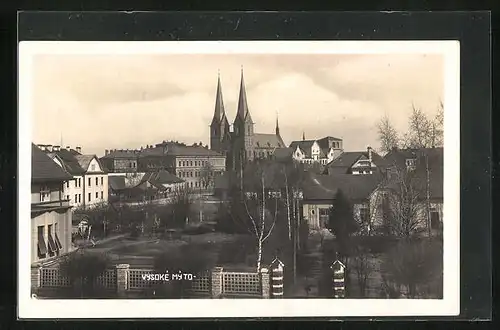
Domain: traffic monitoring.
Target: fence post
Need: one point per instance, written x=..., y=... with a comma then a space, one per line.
x=338, y=279
x=36, y=277
x=264, y=280
x=277, y=271
x=122, y=279
x=217, y=282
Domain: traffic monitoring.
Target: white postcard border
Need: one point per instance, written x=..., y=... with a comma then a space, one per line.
x=219, y=308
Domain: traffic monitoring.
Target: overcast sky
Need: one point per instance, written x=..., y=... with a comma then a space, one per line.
x=125, y=101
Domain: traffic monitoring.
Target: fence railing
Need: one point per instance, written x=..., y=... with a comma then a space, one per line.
x=122, y=279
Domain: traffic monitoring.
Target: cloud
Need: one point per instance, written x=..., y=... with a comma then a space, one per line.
x=103, y=102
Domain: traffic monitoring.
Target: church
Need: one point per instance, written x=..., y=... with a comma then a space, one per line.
x=240, y=143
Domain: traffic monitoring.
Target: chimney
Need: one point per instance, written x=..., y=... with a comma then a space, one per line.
x=48, y=147
x=68, y=148
x=106, y=152
x=56, y=148
x=79, y=150
x=369, y=153
x=41, y=146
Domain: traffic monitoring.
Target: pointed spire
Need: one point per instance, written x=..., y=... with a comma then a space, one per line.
x=219, y=102
x=303, y=136
x=277, y=125
x=242, y=102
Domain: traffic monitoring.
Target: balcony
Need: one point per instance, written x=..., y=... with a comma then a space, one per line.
x=50, y=206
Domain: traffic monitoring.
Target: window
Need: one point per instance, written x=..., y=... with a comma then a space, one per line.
x=79, y=182
x=191, y=174
x=44, y=194
x=411, y=163
x=90, y=196
x=96, y=194
x=76, y=198
x=96, y=181
x=323, y=217
x=196, y=184
x=41, y=246
x=364, y=215
x=129, y=165
x=67, y=184
x=435, y=221
x=102, y=181
x=79, y=198
x=56, y=236
x=190, y=163
x=67, y=197
x=90, y=182
x=102, y=194
x=52, y=244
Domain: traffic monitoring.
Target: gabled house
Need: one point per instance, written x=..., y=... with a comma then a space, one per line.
x=320, y=151
x=89, y=184
x=425, y=169
x=319, y=191
x=356, y=163
x=50, y=210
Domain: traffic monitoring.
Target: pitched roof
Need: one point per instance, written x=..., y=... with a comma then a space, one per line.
x=304, y=145
x=398, y=156
x=283, y=153
x=84, y=160
x=71, y=164
x=176, y=150
x=161, y=177
x=44, y=168
x=347, y=159
x=116, y=182
x=355, y=187
x=261, y=140
x=127, y=154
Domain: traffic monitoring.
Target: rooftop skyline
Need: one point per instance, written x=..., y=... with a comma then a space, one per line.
x=103, y=102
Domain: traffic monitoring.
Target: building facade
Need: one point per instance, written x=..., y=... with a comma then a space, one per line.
x=321, y=151
x=197, y=166
x=242, y=143
x=89, y=184
x=50, y=210
x=120, y=161
x=357, y=163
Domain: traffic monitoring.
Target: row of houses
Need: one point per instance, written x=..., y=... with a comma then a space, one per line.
x=368, y=180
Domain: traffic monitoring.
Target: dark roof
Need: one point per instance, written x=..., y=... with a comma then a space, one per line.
x=84, y=160
x=355, y=187
x=44, y=168
x=70, y=162
x=126, y=154
x=161, y=177
x=346, y=160
x=283, y=153
x=304, y=145
x=267, y=141
x=116, y=182
x=397, y=158
x=177, y=150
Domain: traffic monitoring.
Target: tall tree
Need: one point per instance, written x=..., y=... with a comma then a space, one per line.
x=342, y=223
x=388, y=136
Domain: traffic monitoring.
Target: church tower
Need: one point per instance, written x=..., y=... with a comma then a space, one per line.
x=243, y=128
x=277, y=131
x=219, y=128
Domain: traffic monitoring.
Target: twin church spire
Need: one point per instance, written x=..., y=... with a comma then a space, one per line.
x=242, y=112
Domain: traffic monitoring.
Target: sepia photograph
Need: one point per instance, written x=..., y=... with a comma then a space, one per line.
x=292, y=175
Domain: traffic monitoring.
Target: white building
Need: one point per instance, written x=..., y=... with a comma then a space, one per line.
x=89, y=186
x=320, y=151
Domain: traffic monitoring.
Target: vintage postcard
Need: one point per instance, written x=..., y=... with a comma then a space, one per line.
x=239, y=179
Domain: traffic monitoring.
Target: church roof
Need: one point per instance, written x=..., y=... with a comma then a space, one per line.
x=242, y=112
x=261, y=140
x=283, y=153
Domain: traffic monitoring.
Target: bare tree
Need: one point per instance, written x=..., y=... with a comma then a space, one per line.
x=388, y=136
x=404, y=194
x=363, y=268
x=207, y=175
